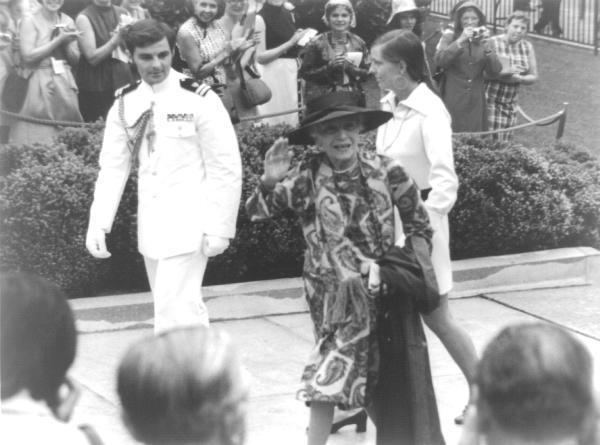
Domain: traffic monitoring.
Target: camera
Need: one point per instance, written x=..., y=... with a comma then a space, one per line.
x=479, y=33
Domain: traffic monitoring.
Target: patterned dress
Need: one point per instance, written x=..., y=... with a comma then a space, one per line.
x=502, y=96
x=347, y=219
x=211, y=40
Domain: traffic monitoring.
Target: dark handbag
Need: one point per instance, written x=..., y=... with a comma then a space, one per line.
x=254, y=90
x=15, y=90
x=227, y=99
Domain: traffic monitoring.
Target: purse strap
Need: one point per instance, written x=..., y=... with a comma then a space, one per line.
x=238, y=64
x=248, y=69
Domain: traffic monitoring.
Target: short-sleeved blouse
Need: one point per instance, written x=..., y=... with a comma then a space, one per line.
x=210, y=40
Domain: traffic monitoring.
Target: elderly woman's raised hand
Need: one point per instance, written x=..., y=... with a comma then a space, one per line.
x=277, y=162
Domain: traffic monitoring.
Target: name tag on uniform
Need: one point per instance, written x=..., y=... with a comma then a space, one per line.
x=58, y=65
x=180, y=117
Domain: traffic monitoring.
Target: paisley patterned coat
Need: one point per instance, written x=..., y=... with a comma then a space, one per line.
x=347, y=219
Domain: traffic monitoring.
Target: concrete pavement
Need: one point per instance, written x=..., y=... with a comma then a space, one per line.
x=271, y=327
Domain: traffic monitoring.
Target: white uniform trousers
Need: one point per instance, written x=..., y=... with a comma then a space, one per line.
x=176, y=285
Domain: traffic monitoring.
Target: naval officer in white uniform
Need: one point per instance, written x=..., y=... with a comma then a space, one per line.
x=189, y=175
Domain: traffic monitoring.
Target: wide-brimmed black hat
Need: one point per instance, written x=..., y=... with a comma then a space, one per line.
x=334, y=106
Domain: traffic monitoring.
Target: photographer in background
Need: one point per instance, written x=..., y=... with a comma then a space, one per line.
x=464, y=54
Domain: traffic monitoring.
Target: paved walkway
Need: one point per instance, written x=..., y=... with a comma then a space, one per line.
x=273, y=333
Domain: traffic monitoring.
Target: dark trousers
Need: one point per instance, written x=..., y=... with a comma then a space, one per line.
x=94, y=105
x=550, y=15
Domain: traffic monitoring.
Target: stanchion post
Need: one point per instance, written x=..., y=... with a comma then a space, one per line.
x=562, y=121
x=495, y=18
x=595, y=26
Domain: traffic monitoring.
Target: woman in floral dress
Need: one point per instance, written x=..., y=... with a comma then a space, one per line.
x=345, y=200
x=202, y=41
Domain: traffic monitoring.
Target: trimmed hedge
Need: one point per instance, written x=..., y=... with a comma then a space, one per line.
x=514, y=199
x=511, y=199
x=266, y=249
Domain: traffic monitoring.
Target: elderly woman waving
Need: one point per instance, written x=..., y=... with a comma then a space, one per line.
x=345, y=200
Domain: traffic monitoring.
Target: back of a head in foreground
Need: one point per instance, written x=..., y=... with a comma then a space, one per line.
x=38, y=337
x=535, y=383
x=183, y=386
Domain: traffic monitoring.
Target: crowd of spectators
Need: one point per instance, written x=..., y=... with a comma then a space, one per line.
x=534, y=382
x=73, y=64
x=184, y=386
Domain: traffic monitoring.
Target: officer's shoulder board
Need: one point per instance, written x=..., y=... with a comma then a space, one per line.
x=127, y=88
x=194, y=86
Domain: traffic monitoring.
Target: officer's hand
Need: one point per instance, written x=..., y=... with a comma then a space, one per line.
x=95, y=242
x=214, y=245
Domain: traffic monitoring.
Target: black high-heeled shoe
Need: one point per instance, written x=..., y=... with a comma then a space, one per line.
x=359, y=419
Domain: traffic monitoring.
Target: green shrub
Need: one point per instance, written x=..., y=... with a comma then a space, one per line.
x=514, y=199
x=266, y=249
x=84, y=142
x=45, y=195
x=126, y=266
x=511, y=199
x=44, y=206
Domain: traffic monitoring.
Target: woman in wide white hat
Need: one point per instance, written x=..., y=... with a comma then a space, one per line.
x=406, y=15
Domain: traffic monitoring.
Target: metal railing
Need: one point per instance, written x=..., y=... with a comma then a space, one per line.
x=579, y=19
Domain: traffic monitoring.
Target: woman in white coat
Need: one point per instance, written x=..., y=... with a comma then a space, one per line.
x=420, y=137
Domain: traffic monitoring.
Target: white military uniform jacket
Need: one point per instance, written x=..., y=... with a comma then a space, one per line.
x=188, y=185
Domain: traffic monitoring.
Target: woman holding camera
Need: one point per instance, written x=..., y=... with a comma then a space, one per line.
x=465, y=54
x=48, y=49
